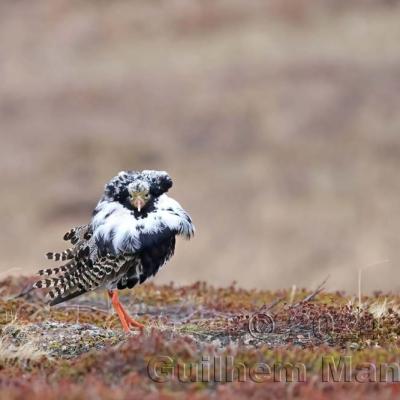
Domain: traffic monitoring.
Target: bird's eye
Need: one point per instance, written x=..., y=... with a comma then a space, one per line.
x=146, y=196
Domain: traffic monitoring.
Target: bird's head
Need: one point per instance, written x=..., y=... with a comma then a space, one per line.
x=139, y=194
x=137, y=188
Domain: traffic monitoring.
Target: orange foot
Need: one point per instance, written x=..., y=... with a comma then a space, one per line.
x=124, y=317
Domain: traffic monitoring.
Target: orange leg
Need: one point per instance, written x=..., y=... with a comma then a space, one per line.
x=124, y=317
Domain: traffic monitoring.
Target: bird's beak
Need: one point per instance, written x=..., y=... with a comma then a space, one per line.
x=138, y=203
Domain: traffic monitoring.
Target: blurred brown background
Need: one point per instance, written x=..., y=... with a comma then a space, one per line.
x=278, y=120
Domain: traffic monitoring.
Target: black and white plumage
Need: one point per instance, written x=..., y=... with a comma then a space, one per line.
x=130, y=236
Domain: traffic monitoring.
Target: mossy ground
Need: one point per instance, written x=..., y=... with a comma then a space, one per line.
x=269, y=344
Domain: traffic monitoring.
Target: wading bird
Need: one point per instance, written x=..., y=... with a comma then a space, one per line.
x=130, y=236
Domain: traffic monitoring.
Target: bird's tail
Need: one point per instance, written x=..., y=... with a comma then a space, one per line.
x=62, y=255
x=77, y=234
x=54, y=271
x=75, y=277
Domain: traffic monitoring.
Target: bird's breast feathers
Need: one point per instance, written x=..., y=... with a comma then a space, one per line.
x=117, y=230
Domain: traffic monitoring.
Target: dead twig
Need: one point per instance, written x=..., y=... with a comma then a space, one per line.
x=312, y=295
x=25, y=291
x=268, y=307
